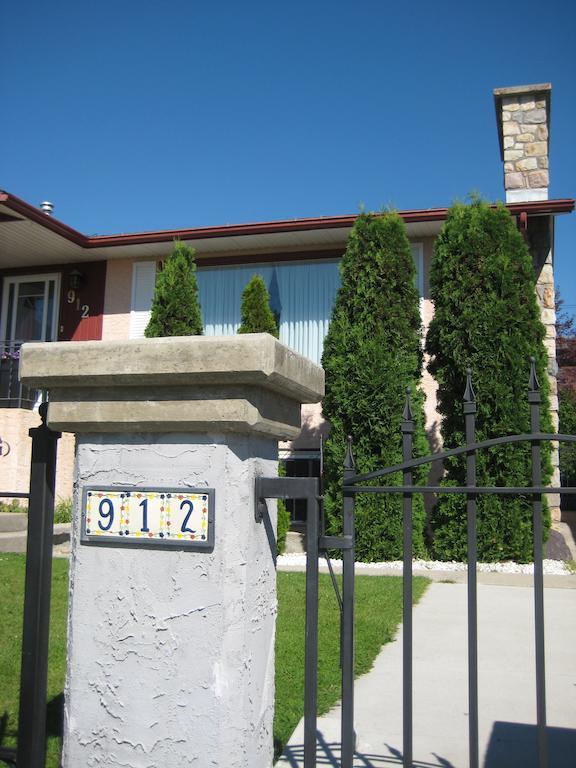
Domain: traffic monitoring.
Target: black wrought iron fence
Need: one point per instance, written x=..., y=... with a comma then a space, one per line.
x=360, y=483
x=30, y=750
x=12, y=393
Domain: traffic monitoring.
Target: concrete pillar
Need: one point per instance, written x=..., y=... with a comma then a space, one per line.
x=171, y=651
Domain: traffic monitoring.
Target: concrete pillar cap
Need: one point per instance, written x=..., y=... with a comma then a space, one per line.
x=245, y=383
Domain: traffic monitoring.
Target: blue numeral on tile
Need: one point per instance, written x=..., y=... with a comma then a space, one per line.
x=190, y=506
x=106, y=515
x=144, y=505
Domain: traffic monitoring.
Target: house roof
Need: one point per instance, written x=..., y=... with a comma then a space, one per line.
x=29, y=237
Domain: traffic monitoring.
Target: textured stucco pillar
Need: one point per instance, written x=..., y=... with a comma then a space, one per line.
x=171, y=651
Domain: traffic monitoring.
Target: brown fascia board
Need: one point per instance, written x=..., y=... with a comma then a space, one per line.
x=32, y=213
x=535, y=208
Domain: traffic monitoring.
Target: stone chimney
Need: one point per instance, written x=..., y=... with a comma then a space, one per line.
x=523, y=119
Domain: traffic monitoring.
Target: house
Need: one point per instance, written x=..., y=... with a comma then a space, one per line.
x=566, y=354
x=58, y=284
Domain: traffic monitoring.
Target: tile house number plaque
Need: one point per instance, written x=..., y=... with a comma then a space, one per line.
x=157, y=517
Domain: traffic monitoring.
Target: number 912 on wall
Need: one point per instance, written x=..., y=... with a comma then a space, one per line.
x=149, y=517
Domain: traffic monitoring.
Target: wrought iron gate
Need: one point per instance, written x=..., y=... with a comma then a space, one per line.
x=317, y=542
x=31, y=747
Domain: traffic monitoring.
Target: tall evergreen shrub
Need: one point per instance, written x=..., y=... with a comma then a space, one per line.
x=486, y=317
x=567, y=417
x=255, y=311
x=257, y=317
x=175, y=307
x=371, y=354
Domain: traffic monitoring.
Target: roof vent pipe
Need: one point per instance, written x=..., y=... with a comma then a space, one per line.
x=47, y=207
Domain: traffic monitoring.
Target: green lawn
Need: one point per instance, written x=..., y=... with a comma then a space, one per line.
x=378, y=612
x=12, y=570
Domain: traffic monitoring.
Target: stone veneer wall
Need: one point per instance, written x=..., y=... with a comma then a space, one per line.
x=547, y=301
x=525, y=145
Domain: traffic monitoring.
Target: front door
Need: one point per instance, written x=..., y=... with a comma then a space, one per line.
x=29, y=309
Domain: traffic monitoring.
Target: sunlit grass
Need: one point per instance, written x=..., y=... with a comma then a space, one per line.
x=378, y=613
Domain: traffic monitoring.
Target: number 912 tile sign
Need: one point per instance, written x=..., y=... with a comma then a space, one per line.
x=149, y=517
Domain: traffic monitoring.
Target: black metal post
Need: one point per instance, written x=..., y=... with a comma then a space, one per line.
x=347, y=722
x=534, y=399
x=311, y=641
x=407, y=429
x=470, y=422
x=36, y=626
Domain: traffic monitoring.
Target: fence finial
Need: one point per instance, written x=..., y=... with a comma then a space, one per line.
x=43, y=411
x=408, y=415
x=349, y=456
x=533, y=384
x=469, y=394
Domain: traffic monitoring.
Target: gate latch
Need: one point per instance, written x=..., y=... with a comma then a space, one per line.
x=336, y=542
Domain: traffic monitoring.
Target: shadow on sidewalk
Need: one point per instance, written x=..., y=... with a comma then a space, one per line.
x=328, y=754
x=514, y=745
x=511, y=745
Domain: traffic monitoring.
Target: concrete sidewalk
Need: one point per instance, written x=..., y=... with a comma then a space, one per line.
x=506, y=686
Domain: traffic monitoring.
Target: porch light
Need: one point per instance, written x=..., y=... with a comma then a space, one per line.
x=75, y=279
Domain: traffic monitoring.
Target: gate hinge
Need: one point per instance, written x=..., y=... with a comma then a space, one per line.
x=282, y=488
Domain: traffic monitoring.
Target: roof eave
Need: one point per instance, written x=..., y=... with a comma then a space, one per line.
x=534, y=208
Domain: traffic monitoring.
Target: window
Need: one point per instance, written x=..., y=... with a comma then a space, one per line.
x=418, y=256
x=302, y=294
x=29, y=313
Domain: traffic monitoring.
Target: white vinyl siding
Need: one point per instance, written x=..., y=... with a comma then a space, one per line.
x=143, y=281
x=301, y=293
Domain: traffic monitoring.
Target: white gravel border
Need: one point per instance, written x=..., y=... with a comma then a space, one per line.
x=551, y=567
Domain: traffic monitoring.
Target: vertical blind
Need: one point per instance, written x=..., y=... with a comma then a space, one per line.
x=301, y=295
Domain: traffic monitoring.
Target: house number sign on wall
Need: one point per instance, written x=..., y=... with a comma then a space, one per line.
x=158, y=517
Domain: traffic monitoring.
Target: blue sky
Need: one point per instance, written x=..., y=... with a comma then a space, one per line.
x=151, y=115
